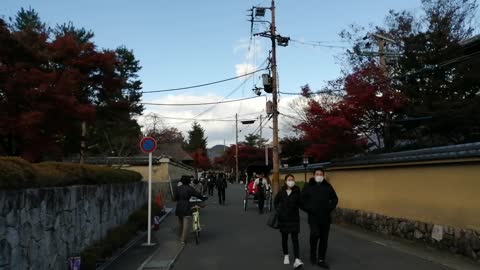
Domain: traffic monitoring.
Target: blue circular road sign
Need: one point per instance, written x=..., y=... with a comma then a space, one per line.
x=148, y=145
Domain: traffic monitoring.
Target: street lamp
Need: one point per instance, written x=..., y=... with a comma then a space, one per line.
x=305, y=164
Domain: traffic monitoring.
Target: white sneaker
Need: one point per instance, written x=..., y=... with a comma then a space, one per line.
x=297, y=264
x=286, y=260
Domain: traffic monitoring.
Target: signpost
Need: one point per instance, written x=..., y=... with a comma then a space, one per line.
x=148, y=145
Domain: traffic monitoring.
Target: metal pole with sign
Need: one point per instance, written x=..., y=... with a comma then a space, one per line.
x=148, y=145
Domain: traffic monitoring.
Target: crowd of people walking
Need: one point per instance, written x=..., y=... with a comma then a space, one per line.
x=317, y=198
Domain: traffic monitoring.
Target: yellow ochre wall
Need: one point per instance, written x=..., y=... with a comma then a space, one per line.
x=442, y=193
x=162, y=171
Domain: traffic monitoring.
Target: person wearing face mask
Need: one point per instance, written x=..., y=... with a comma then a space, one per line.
x=287, y=205
x=319, y=200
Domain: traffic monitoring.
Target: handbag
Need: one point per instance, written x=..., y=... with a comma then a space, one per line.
x=272, y=221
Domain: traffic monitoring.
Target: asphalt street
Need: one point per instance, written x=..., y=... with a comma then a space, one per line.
x=238, y=240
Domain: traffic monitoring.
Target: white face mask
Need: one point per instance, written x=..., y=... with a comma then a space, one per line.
x=319, y=178
x=290, y=184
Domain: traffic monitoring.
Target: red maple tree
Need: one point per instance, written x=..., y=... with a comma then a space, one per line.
x=201, y=159
x=362, y=116
x=48, y=86
x=247, y=155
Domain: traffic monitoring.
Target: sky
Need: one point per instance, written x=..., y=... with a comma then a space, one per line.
x=181, y=43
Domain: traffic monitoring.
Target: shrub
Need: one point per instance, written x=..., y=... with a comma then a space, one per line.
x=16, y=173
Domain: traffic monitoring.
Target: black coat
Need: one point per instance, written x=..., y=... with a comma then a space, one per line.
x=287, y=207
x=182, y=195
x=319, y=200
x=221, y=183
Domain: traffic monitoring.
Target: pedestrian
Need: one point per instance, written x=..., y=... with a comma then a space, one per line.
x=197, y=186
x=287, y=204
x=221, y=186
x=210, y=184
x=319, y=200
x=261, y=187
x=183, y=210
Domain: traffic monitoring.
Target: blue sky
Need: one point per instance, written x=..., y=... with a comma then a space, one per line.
x=181, y=43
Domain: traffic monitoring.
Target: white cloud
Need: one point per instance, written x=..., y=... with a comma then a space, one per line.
x=252, y=55
x=217, y=131
x=242, y=69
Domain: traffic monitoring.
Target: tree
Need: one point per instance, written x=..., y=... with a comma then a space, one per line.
x=196, y=138
x=247, y=155
x=82, y=35
x=329, y=133
x=117, y=108
x=431, y=68
x=345, y=127
x=167, y=135
x=28, y=20
x=201, y=159
x=293, y=149
x=65, y=78
x=255, y=140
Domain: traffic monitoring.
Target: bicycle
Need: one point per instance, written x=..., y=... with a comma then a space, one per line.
x=196, y=223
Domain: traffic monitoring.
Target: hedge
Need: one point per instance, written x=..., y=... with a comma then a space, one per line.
x=16, y=173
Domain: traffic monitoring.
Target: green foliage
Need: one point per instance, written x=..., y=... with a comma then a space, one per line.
x=16, y=173
x=82, y=35
x=28, y=20
x=196, y=138
x=431, y=66
x=255, y=140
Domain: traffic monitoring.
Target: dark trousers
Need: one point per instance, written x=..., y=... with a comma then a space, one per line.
x=294, y=236
x=221, y=195
x=261, y=204
x=210, y=190
x=319, y=240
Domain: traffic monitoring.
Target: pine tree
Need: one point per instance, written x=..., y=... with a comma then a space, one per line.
x=196, y=138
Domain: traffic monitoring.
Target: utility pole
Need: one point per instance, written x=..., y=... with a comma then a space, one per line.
x=82, y=142
x=282, y=41
x=275, y=152
x=236, y=147
x=383, y=66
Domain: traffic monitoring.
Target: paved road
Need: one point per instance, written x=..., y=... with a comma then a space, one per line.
x=234, y=239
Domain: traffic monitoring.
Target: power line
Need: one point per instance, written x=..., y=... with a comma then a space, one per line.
x=314, y=93
x=319, y=44
x=224, y=119
x=231, y=93
x=406, y=74
x=199, y=104
x=264, y=124
x=205, y=84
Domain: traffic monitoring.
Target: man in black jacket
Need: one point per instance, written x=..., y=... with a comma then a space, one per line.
x=319, y=200
x=221, y=186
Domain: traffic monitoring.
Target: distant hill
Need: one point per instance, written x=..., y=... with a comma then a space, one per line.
x=216, y=151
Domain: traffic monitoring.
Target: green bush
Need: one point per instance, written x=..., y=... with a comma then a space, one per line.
x=16, y=173
x=90, y=257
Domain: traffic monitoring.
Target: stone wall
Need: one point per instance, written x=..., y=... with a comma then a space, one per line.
x=459, y=241
x=41, y=228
